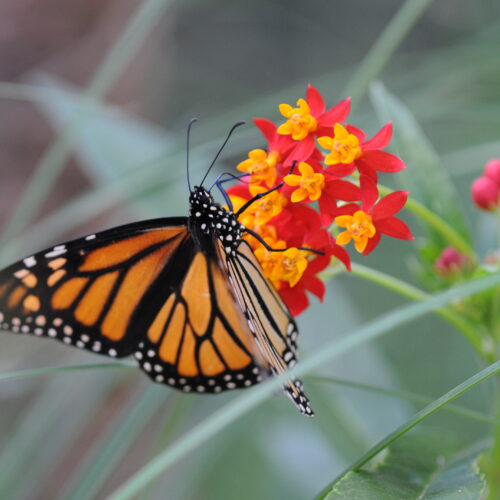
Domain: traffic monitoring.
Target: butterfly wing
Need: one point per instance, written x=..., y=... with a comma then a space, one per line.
x=198, y=339
x=145, y=289
x=268, y=317
x=87, y=292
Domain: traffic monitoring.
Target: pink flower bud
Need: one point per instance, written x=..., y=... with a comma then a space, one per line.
x=485, y=193
x=492, y=170
x=451, y=261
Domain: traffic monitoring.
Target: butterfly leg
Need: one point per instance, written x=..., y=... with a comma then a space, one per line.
x=271, y=249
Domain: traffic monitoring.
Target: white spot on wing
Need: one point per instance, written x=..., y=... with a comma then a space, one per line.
x=30, y=261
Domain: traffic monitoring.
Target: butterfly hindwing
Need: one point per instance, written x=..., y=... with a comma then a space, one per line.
x=86, y=292
x=268, y=318
x=198, y=339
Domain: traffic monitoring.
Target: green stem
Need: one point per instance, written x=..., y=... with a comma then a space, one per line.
x=409, y=396
x=59, y=369
x=433, y=220
x=460, y=322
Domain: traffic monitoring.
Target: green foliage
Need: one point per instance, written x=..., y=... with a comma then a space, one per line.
x=419, y=466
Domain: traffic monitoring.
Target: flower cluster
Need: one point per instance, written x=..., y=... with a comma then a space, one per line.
x=326, y=175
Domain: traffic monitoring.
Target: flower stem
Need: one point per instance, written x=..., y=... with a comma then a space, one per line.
x=493, y=460
x=469, y=331
x=436, y=222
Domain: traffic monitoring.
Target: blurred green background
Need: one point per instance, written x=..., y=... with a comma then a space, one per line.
x=81, y=434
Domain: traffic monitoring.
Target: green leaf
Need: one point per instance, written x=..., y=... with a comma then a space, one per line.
x=424, y=465
x=425, y=176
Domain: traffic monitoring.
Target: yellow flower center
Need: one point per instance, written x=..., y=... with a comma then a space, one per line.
x=359, y=227
x=261, y=166
x=267, y=207
x=344, y=147
x=300, y=121
x=290, y=267
x=309, y=183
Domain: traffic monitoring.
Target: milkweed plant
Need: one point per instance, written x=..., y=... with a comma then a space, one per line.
x=328, y=196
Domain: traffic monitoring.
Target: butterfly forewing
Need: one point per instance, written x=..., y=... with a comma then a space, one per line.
x=85, y=292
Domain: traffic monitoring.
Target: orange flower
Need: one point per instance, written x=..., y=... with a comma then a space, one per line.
x=345, y=147
x=300, y=120
x=290, y=266
x=267, y=207
x=261, y=166
x=359, y=227
x=310, y=183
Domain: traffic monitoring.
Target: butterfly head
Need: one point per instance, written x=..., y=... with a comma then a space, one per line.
x=214, y=220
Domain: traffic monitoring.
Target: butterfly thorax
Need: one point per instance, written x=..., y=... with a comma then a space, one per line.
x=213, y=220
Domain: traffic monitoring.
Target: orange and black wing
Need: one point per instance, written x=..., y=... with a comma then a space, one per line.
x=144, y=289
x=198, y=339
x=268, y=317
x=89, y=292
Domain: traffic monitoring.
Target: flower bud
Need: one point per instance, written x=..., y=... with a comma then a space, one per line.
x=451, y=261
x=485, y=193
x=492, y=170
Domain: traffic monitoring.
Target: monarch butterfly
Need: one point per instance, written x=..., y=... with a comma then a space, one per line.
x=184, y=295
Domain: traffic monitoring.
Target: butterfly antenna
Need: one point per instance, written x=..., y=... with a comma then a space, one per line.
x=235, y=126
x=191, y=122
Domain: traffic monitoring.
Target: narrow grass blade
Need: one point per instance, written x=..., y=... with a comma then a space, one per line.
x=61, y=369
x=408, y=396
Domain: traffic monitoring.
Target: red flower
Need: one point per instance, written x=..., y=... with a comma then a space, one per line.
x=367, y=223
x=349, y=150
x=308, y=120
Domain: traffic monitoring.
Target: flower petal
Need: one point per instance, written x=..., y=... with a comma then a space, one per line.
x=292, y=180
x=267, y=127
x=390, y=205
x=315, y=286
x=325, y=142
x=348, y=209
x=395, y=228
x=372, y=243
x=341, y=170
x=299, y=195
x=286, y=110
x=342, y=190
x=380, y=139
x=295, y=298
x=337, y=114
x=356, y=132
x=382, y=161
x=302, y=151
x=315, y=101
x=369, y=192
